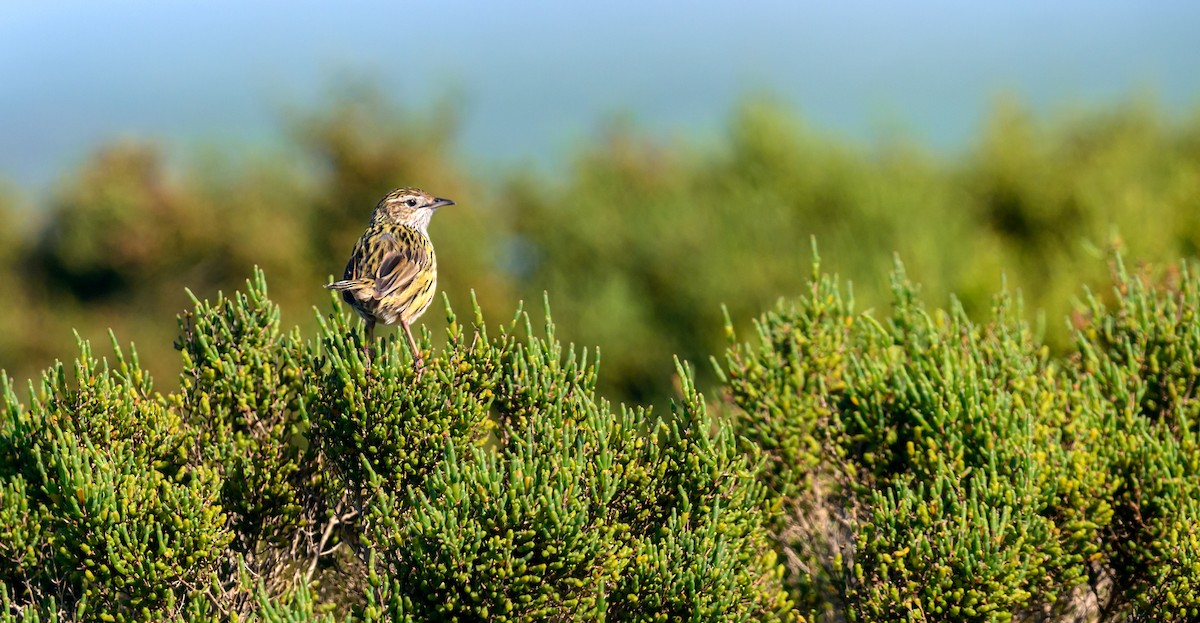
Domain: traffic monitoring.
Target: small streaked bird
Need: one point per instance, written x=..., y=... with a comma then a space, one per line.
x=392, y=273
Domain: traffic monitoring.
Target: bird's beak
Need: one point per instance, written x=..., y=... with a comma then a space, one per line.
x=440, y=202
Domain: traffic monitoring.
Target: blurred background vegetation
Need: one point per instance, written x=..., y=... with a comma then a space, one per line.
x=638, y=240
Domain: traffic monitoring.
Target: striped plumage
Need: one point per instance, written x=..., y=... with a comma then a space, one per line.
x=391, y=277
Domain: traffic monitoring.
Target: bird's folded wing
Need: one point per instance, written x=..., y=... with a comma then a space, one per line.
x=399, y=266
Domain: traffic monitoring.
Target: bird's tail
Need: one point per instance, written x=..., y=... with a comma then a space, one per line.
x=347, y=285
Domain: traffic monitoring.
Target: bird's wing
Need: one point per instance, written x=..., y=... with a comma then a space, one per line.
x=401, y=261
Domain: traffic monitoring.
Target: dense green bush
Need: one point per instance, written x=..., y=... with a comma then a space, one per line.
x=909, y=465
x=103, y=512
x=933, y=468
x=289, y=479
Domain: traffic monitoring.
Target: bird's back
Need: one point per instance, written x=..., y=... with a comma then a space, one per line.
x=391, y=275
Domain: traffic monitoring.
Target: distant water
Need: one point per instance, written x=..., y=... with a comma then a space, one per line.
x=532, y=78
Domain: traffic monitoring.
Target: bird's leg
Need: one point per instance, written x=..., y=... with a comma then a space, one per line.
x=417, y=362
x=369, y=347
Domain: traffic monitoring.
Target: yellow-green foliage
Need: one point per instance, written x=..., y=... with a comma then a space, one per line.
x=103, y=511
x=913, y=464
x=1142, y=355
x=976, y=477
x=288, y=479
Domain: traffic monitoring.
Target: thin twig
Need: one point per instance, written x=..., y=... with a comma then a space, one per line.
x=334, y=521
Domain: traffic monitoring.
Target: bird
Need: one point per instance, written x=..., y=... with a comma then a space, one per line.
x=392, y=273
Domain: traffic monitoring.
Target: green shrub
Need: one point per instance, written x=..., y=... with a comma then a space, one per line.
x=915, y=464
x=1142, y=354
x=243, y=395
x=103, y=514
x=292, y=479
x=572, y=512
x=930, y=467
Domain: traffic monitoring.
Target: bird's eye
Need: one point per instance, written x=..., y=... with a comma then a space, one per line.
x=412, y=203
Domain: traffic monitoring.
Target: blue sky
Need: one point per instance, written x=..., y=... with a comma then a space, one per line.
x=531, y=78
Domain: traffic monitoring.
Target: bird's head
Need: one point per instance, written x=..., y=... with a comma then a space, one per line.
x=408, y=206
